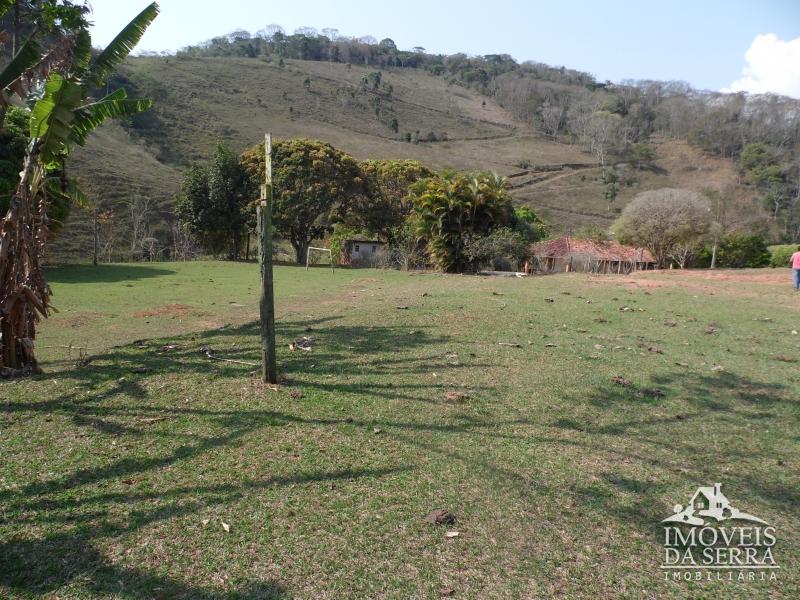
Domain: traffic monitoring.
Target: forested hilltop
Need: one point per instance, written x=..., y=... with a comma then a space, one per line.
x=528, y=119
x=556, y=99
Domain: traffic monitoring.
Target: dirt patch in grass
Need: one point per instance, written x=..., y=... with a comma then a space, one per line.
x=749, y=283
x=168, y=310
x=667, y=277
x=80, y=319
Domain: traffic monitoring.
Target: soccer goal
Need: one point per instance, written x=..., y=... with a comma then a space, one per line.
x=317, y=252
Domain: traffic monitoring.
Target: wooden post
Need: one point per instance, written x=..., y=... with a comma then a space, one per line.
x=267, y=301
x=94, y=249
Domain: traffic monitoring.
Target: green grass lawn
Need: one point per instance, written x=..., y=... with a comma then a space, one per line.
x=117, y=476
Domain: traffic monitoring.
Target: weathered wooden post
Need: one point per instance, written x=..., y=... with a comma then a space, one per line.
x=96, y=244
x=267, y=300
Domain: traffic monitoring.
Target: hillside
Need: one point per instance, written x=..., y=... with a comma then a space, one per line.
x=200, y=101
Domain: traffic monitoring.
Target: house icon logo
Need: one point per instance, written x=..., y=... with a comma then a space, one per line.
x=708, y=502
x=711, y=540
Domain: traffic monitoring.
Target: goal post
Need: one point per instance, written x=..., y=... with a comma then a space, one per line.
x=321, y=251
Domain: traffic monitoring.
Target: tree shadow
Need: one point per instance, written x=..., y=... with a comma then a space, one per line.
x=670, y=434
x=112, y=400
x=42, y=566
x=104, y=273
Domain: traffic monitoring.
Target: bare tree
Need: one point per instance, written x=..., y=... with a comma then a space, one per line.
x=603, y=131
x=579, y=114
x=684, y=251
x=268, y=33
x=182, y=243
x=552, y=118
x=331, y=33
x=109, y=230
x=140, y=209
x=661, y=220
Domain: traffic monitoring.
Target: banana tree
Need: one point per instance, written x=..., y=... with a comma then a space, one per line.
x=52, y=29
x=64, y=116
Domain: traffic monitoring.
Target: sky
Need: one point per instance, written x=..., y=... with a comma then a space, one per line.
x=728, y=45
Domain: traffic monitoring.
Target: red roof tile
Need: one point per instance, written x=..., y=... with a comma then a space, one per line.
x=614, y=251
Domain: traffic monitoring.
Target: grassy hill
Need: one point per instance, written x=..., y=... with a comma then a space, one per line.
x=200, y=101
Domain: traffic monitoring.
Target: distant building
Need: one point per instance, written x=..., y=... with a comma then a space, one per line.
x=361, y=252
x=570, y=254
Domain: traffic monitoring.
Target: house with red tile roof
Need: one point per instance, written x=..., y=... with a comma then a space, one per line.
x=591, y=256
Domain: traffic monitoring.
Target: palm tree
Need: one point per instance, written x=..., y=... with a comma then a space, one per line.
x=64, y=115
x=452, y=206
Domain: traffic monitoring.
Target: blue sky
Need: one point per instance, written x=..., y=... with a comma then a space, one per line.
x=703, y=42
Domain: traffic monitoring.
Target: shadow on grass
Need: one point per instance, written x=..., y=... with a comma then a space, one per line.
x=700, y=432
x=104, y=273
x=643, y=449
x=39, y=566
x=74, y=509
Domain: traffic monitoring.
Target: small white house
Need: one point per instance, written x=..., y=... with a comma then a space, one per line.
x=361, y=252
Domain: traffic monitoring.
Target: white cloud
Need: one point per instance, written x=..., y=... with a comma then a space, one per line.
x=771, y=65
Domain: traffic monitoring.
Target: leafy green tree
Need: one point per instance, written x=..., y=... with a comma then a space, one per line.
x=528, y=223
x=13, y=143
x=740, y=251
x=450, y=207
x=64, y=115
x=642, y=154
x=212, y=205
x=310, y=179
x=763, y=167
x=758, y=162
x=384, y=203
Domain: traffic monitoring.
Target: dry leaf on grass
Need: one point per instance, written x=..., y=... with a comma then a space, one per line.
x=226, y=527
x=440, y=516
x=452, y=534
x=620, y=380
x=454, y=396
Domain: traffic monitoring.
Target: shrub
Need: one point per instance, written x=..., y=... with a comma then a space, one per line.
x=781, y=255
x=527, y=223
x=739, y=251
x=501, y=250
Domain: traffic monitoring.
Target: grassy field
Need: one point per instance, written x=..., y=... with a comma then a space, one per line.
x=157, y=472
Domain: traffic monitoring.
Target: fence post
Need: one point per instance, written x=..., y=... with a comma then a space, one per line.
x=267, y=301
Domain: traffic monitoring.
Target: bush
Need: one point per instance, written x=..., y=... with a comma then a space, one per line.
x=739, y=251
x=501, y=250
x=781, y=255
x=525, y=222
x=406, y=251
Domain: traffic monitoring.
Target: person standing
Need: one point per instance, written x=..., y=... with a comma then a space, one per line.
x=796, y=270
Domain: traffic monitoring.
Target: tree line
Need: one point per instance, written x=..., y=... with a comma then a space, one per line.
x=451, y=220
x=613, y=121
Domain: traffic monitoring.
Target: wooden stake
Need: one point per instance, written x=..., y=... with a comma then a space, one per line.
x=267, y=301
x=96, y=244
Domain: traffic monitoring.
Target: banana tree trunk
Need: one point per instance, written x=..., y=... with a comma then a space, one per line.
x=24, y=293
